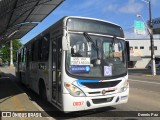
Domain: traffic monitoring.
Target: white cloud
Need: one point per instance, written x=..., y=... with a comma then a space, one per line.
x=89, y=4
x=112, y=7
x=154, y=2
x=132, y=7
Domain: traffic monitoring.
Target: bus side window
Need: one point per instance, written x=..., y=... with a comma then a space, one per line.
x=45, y=47
x=32, y=48
x=24, y=55
x=54, y=53
x=35, y=51
x=59, y=52
x=27, y=58
x=40, y=57
x=21, y=56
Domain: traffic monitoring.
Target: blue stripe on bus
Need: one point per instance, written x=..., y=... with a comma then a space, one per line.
x=86, y=81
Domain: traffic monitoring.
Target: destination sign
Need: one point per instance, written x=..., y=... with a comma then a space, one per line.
x=80, y=61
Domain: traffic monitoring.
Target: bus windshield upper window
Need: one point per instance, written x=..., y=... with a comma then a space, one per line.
x=94, y=26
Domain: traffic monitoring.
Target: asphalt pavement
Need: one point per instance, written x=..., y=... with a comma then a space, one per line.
x=144, y=75
x=143, y=99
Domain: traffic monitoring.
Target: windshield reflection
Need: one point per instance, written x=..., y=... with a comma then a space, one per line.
x=106, y=61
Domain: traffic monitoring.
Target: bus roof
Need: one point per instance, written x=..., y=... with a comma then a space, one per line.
x=64, y=19
x=67, y=17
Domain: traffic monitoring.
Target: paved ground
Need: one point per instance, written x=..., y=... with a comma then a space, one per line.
x=144, y=96
x=13, y=98
x=144, y=74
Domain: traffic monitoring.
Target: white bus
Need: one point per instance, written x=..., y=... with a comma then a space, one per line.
x=77, y=64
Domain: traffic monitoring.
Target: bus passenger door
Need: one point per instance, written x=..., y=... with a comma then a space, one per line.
x=56, y=70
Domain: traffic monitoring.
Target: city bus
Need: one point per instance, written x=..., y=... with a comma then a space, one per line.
x=77, y=64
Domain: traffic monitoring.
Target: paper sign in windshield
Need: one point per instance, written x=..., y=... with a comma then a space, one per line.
x=80, y=61
x=80, y=68
x=107, y=70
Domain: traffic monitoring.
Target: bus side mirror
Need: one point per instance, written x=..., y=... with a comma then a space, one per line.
x=128, y=51
x=65, y=43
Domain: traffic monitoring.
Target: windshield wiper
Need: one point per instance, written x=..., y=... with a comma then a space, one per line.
x=113, y=41
x=89, y=39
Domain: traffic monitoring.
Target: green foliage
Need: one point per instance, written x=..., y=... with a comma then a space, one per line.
x=5, y=50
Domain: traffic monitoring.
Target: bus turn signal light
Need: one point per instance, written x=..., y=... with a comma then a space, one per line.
x=67, y=85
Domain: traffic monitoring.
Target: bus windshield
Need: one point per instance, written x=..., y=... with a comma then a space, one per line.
x=98, y=57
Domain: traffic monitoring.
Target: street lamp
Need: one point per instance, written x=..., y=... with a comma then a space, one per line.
x=150, y=30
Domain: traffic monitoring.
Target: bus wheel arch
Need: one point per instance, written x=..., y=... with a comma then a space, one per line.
x=42, y=89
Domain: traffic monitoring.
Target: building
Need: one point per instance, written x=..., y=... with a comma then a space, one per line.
x=140, y=52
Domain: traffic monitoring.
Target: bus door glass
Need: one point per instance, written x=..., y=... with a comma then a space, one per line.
x=56, y=69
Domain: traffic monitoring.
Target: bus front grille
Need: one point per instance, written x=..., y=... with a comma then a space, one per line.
x=99, y=92
x=102, y=100
x=94, y=85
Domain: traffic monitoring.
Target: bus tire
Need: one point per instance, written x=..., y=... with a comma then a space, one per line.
x=42, y=90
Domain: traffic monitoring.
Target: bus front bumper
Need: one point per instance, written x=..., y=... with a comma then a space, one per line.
x=71, y=104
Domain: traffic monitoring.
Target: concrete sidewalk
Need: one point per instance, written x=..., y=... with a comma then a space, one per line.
x=13, y=98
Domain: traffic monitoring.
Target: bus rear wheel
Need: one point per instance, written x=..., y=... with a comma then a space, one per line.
x=42, y=90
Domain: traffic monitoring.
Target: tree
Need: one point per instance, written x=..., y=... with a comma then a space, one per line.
x=5, y=50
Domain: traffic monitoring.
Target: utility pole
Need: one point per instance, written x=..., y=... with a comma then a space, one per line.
x=150, y=31
x=11, y=54
x=151, y=40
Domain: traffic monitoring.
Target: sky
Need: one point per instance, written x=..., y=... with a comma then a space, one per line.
x=122, y=12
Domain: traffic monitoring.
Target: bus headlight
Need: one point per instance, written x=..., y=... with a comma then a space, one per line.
x=73, y=90
x=124, y=86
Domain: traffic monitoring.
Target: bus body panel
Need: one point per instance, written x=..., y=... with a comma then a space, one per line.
x=34, y=71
